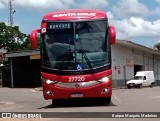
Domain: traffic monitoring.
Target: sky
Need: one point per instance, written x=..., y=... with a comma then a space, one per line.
x=134, y=20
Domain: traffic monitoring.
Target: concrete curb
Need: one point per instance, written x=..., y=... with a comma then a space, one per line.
x=116, y=88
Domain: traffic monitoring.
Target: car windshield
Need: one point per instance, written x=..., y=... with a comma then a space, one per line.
x=138, y=77
x=75, y=45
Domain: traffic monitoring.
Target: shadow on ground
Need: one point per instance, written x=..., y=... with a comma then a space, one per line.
x=78, y=103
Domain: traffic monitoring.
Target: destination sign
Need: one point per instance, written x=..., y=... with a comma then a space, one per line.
x=64, y=25
x=73, y=14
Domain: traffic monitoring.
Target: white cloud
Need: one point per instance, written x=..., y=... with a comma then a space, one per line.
x=158, y=1
x=110, y=15
x=135, y=27
x=156, y=11
x=92, y=3
x=127, y=8
x=56, y=4
x=2, y=4
x=44, y=4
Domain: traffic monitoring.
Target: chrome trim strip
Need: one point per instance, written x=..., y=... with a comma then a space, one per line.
x=77, y=84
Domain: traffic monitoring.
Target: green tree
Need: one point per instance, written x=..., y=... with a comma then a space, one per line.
x=12, y=39
x=157, y=46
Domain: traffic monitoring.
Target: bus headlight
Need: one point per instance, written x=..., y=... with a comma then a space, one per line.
x=105, y=79
x=48, y=81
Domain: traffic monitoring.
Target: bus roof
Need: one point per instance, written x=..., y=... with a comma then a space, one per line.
x=76, y=14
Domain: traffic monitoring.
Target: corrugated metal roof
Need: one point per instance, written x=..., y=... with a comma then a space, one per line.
x=24, y=53
x=137, y=46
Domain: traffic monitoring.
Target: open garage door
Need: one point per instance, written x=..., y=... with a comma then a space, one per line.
x=137, y=68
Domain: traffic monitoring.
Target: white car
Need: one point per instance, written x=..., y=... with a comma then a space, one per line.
x=142, y=78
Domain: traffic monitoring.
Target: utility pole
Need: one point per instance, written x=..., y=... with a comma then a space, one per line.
x=10, y=22
x=11, y=12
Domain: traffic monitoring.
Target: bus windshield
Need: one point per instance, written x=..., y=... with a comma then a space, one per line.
x=75, y=45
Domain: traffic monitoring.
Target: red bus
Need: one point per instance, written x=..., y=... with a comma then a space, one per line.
x=75, y=54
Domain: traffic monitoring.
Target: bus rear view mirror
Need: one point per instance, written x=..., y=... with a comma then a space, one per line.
x=34, y=36
x=112, y=35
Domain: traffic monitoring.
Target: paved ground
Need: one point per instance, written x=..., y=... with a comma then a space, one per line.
x=123, y=100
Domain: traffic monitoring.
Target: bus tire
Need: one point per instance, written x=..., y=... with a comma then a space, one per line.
x=106, y=100
x=55, y=103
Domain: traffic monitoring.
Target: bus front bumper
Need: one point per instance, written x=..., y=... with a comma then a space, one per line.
x=97, y=91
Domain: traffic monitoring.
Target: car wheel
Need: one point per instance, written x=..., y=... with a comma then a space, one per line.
x=140, y=86
x=151, y=85
x=129, y=87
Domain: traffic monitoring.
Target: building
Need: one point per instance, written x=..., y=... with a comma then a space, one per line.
x=129, y=57
x=23, y=69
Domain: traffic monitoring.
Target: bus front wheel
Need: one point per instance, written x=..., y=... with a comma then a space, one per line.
x=55, y=102
x=106, y=100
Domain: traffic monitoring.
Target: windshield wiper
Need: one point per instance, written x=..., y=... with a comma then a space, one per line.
x=86, y=58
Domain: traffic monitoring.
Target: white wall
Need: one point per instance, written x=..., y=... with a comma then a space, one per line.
x=138, y=58
x=156, y=68
x=121, y=53
x=159, y=69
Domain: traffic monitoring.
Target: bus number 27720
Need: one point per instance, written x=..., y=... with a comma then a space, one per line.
x=76, y=79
